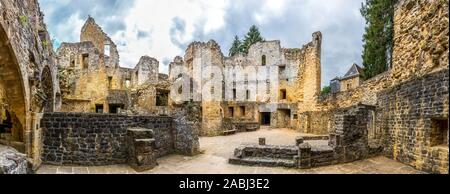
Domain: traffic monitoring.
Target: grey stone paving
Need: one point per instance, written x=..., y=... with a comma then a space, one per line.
x=217, y=150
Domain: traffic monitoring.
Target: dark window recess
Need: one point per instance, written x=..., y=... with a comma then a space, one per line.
x=162, y=98
x=99, y=108
x=242, y=110
x=6, y=125
x=283, y=94
x=248, y=95
x=85, y=61
x=234, y=94
x=295, y=116
x=115, y=108
x=72, y=63
x=231, y=111
x=264, y=60
x=439, y=132
x=110, y=82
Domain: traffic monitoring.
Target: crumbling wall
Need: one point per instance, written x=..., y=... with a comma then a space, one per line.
x=309, y=78
x=147, y=70
x=92, y=79
x=420, y=95
x=420, y=39
x=25, y=51
x=406, y=113
x=91, y=32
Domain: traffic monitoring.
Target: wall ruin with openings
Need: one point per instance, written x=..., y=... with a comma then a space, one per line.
x=28, y=70
x=298, y=83
x=92, y=80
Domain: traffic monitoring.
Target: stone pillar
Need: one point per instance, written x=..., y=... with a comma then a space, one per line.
x=304, y=154
x=140, y=143
x=262, y=141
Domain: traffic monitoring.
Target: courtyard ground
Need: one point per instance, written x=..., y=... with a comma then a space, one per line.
x=217, y=150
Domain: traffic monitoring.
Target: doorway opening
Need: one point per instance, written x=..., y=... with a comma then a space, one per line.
x=265, y=118
x=115, y=108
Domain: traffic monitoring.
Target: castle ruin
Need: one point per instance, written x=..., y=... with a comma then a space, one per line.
x=78, y=106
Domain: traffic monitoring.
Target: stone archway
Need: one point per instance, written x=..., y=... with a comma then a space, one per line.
x=47, y=87
x=12, y=94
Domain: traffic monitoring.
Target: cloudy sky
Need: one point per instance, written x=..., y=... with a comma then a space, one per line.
x=163, y=29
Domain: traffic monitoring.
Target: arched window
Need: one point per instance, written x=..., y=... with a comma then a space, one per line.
x=264, y=60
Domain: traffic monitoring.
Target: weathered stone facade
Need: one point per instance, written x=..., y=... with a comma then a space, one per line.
x=408, y=114
x=411, y=99
x=93, y=81
x=298, y=84
x=28, y=76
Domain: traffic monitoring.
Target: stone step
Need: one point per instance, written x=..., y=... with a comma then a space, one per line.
x=140, y=133
x=259, y=161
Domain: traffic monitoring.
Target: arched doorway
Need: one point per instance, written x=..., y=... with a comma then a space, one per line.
x=12, y=95
x=47, y=87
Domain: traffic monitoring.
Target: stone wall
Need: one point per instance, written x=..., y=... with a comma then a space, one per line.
x=100, y=139
x=406, y=113
x=316, y=122
x=28, y=69
x=421, y=29
x=347, y=142
x=300, y=77
x=91, y=76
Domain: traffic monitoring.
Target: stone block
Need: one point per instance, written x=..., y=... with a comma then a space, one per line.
x=262, y=141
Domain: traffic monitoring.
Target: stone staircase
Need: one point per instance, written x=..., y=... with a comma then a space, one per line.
x=265, y=155
x=141, y=146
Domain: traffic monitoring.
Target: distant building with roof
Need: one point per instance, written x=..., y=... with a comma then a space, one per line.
x=351, y=80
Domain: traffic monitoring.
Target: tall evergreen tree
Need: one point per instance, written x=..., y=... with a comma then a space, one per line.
x=378, y=38
x=253, y=36
x=235, y=47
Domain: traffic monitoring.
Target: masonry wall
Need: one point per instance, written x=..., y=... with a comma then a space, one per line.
x=420, y=95
x=98, y=139
x=26, y=51
x=406, y=114
x=420, y=39
x=316, y=122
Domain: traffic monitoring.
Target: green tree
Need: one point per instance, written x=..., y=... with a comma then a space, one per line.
x=326, y=90
x=378, y=36
x=235, y=47
x=253, y=36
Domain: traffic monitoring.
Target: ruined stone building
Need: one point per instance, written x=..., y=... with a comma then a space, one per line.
x=28, y=77
x=93, y=81
x=242, y=106
x=401, y=113
x=50, y=102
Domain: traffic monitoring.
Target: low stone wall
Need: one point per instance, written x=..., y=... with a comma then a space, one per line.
x=348, y=141
x=100, y=139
